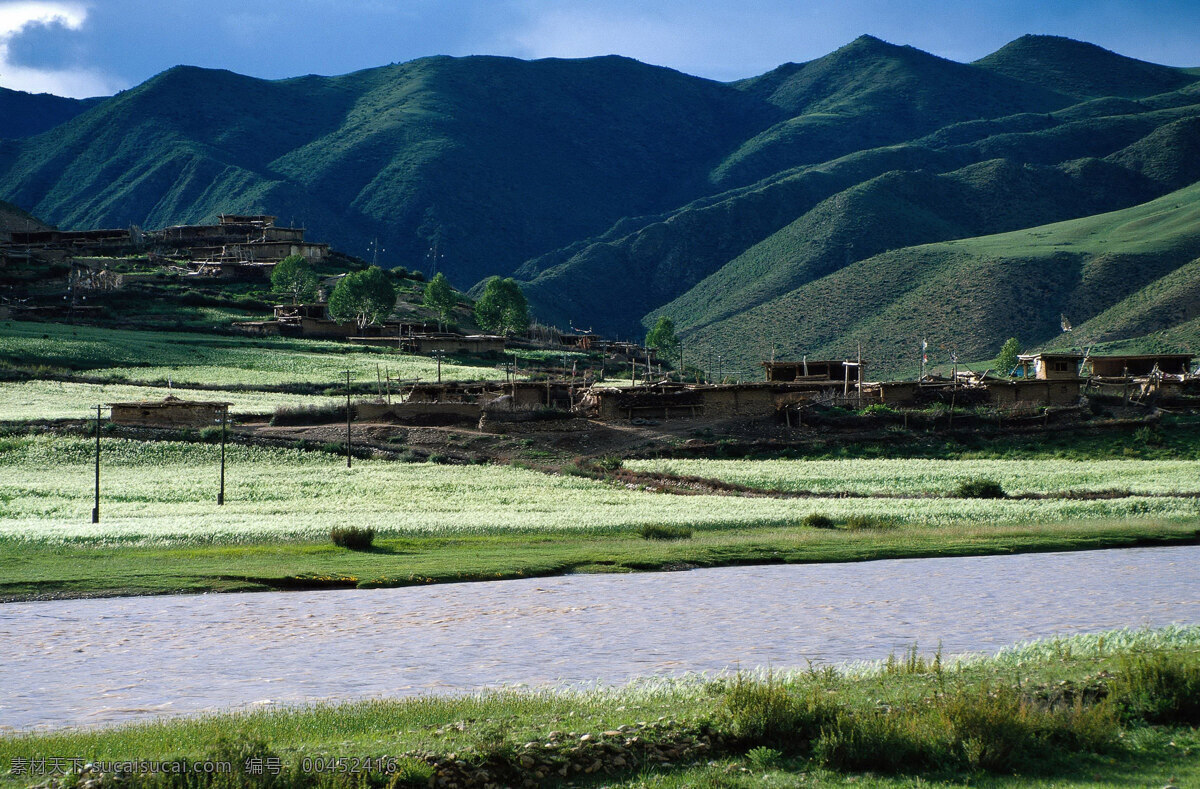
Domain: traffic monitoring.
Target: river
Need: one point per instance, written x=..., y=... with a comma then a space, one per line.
x=103, y=661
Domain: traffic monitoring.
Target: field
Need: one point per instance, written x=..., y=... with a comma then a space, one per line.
x=916, y=720
x=162, y=492
x=161, y=530
x=37, y=400
x=928, y=477
x=212, y=359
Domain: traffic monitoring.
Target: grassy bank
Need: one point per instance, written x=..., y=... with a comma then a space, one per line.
x=40, y=569
x=1115, y=709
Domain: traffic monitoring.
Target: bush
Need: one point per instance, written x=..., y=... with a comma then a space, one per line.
x=883, y=741
x=1001, y=731
x=649, y=532
x=1159, y=688
x=765, y=713
x=817, y=520
x=879, y=409
x=980, y=488
x=353, y=537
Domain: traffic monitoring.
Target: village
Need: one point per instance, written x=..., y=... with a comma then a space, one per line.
x=245, y=248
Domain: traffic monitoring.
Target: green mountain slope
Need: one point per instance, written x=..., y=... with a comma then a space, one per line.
x=1015, y=172
x=1082, y=70
x=26, y=114
x=494, y=160
x=618, y=191
x=1108, y=273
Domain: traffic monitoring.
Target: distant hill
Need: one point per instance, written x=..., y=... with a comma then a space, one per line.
x=26, y=114
x=618, y=191
x=13, y=218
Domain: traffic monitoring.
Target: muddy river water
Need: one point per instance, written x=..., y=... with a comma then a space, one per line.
x=81, y=662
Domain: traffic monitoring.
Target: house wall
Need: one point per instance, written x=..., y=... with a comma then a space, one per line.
x=1045, y=392
x=168, y=415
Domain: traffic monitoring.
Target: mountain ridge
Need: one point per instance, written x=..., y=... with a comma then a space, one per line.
x=616, y=191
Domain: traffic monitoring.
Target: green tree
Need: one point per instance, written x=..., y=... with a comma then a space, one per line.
x=1007, y=359
x=439, y=297
x=295, y=277
x=662, y=338
x=502, y=308
x=364, y=297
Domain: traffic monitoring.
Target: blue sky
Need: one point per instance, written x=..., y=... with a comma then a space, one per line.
x=96, y=47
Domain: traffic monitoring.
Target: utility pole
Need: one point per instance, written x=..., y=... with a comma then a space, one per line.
x=438, y=355
x=348, y=452
x=96, y=505
x=224, y=423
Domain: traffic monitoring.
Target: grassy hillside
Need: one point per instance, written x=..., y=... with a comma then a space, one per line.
x=618, y=191
x=1082, y=70
x=26, y=114
x=493, y=159
x=716, y=257
x=1110, y=273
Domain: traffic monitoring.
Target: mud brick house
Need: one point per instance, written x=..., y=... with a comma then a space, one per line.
x=170, y=412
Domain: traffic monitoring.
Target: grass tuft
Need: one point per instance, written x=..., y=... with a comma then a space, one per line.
x=353, y=537
x=652, y=532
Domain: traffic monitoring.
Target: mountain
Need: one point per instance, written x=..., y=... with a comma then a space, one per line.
x=26, y=114
x=14, y=219
x=616, y=191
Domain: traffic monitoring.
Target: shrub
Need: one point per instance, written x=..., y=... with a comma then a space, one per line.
x=764, y=712
x=353, y=537
x=650, y=532
x=1159, y=688
x=762, y=757
x=818, y=520
x=879, y=409
x=884, y=741
x=979, y=488
x=997, y=729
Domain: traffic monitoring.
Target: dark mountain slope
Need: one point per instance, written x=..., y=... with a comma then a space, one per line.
x=26, y=114
x=13, y=218
x=494, y=159
x=1082, y=70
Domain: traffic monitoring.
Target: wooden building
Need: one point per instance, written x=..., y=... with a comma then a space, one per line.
x=1051, y=366
x=1120, y=366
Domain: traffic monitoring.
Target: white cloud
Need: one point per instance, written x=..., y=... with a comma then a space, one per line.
x=16, y=17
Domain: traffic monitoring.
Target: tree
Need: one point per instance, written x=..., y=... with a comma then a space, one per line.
x=364, y=297
x=439, y=297
x=1007, y=359
x=662, y=338
x=295, y=277
x=502, y=308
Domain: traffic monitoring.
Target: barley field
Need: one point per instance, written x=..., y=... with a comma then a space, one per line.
x=34, y=400
x=916, y=477
x=164, y=493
